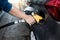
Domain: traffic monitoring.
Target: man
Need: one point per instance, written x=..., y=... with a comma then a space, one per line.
x=7, y=7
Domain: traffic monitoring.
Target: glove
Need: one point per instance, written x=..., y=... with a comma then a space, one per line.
x=37, y=17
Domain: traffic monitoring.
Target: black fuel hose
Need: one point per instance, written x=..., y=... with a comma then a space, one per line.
x=11, y=23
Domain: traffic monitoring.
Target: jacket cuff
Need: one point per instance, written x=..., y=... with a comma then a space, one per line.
x=7, y=7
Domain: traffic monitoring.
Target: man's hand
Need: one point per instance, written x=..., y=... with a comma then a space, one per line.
x=30, y=20
x=16, y=12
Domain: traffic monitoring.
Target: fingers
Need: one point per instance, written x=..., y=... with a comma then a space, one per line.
x=30, y=20
x=31, y=23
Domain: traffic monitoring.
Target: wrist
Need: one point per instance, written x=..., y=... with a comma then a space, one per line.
x=25, y=17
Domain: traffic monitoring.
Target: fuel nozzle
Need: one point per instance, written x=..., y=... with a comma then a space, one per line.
x=37, y=17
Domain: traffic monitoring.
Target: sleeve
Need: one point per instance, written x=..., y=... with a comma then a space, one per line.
x=7, y=6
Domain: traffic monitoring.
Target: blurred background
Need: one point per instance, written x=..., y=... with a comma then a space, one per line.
x=20, y=4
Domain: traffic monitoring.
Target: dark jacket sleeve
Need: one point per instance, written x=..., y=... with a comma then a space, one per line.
x=5, y=5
